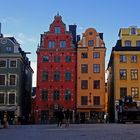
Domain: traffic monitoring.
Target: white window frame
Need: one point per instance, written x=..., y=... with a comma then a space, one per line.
x=8, y=49
x=8, y=98
x=10, y=63
x=133, y=27
x=134, y=58
x=9, y=79
x=4, y=97
x=57, y=30
x=51, y=44
x=5, y=61
x=5, y=79
x=62, y=44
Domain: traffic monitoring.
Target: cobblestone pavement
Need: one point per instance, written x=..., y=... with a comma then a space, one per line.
x=74, y=132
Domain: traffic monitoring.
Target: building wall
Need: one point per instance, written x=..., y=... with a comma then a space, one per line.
x=11, y=51
x=50, y=105
x=90, y=92
x=125, y=34
x=128, y=66
x=116, y=64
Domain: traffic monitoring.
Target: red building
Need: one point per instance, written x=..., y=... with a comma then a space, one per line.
x=56, y=72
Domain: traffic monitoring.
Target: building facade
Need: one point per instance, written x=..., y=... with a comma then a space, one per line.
x=15, y=82
x=56, y=72
x=91, y=76
x=124, y=69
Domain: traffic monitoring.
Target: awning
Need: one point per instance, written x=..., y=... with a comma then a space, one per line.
x=8, y=108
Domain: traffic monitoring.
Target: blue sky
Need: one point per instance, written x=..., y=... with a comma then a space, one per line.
x=27, y=19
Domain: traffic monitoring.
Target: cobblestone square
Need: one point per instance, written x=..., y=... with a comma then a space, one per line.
x=74, y=132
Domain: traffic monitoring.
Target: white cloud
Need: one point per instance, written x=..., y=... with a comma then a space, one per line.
x=24, y=39
x=81, y=28
x=11, y=20
x=34, y=67
x=7, y=35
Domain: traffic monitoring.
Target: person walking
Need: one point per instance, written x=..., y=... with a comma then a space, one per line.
x=67, y=117
x=60, y=117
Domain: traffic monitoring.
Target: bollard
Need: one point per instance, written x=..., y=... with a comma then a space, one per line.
x=5, y=125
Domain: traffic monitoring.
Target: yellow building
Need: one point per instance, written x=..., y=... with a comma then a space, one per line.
x=124, y=69
x=91, y=76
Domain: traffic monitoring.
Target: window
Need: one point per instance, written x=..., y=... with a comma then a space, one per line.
x=127, y=43
x=84, y=100
x=96, y=68
x=2, y=63
x=56, y=95
x=4, y=41
x=84, y=84
x=11, y=98
x=134, y=74
x=68, y=59
x=133, y=58
x=57, y=30
x=84, y=55
x=8, y=49
x=12, y=79
x=138, y=43
x=123, y=92
x=56, y=76
x=96, y=84
x=84, y=68
x=62, y=44
x=96, y=55
x=44, y=95
x=123, y=74
x=133, y=31
x=57, y=59
x=51, y=44
x=2, y=98
x=135, y=92
x=45, y=58
x=123, y=58
x=90, y=43
x=96, y=100
x=13, y=63
x=90, y=33
x=45, y=75
x=2, y=80
x=67, y=95
x=67, y=75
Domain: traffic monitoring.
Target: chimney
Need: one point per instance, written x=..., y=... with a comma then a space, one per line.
x=72, y=29
x=78, y=38
x=1, y=35
x=97, y=40
x=84, y=41
x=101, y=35
x=0, y=28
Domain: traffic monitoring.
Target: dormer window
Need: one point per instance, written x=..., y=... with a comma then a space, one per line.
x=90, y=33
x=51, y=44
x=8, y=49
x=90, y=43
x=127, y=43
x=133, y=30
x=57, y=30
x=63, y=44
x=138, y=43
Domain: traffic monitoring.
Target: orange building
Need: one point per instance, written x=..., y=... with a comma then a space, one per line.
x=91, y=76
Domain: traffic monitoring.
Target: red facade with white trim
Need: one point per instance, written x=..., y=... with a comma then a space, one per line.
x=56, y=72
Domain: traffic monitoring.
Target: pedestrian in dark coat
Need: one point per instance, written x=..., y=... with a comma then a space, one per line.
x=67, y=117
x=60, y=117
